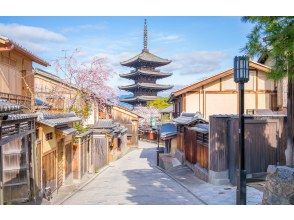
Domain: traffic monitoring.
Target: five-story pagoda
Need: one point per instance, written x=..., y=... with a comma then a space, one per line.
x=144, y=75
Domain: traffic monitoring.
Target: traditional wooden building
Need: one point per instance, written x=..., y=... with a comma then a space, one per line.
x=54, y=91
x=220, y=90
x=16, y=73
x=145, y=75
x=111, y=136
x=166, y=114
x=56, y=95
x=17, y=154
x=54, y=143
x=128, y=119
x=17, y=132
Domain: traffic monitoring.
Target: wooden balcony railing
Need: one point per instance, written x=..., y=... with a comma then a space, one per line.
x=24, y=101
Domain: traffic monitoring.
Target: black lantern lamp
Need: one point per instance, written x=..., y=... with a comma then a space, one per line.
x=241, y=76
x=241, y=69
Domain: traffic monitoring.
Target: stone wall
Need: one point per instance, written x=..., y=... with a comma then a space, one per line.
x=279, y=187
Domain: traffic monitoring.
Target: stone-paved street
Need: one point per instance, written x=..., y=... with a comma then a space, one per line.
x=134, y=180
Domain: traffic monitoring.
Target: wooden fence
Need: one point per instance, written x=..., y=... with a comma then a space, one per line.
x=264, y=144
x=195, y=147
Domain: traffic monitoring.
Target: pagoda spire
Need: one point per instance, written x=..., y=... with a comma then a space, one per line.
x=145, y=40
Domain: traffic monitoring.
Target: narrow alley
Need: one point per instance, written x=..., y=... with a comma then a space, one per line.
x=134, y=179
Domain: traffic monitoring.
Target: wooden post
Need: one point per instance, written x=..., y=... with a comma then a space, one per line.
x=290, y=118
x=34, y=170
x=1, y=168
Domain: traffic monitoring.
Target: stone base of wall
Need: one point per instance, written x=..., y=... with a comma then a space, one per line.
x=279, y=187
x=219, y=178
x=180, y=156
x=167, y=161
x=201, y=172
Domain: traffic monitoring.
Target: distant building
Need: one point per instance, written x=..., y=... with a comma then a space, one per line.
x=145, y=75
x=166, y=114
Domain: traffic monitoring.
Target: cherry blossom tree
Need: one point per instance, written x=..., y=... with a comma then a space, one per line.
x=146, y=112
x=89, y=76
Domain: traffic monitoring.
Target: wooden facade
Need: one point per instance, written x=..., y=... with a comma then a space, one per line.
x=221, y=90
x=53, y=90
x=17, y=157
x=16, y=74
x=19, y=176
x=57, y=152
x=128, y=119
x=196, y=148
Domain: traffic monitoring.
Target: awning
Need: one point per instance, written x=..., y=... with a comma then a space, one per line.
x=67, y=130
x=167, y=130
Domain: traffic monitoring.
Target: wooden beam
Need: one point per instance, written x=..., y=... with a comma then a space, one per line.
x=256, y=89
x=220, y=84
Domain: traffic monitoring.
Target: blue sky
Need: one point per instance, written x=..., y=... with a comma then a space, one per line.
x=198, y=46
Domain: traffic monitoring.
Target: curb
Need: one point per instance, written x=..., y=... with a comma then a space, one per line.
x=172, y=177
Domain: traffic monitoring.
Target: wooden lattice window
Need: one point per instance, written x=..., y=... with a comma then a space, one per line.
x=202, y=138
x=49, y=136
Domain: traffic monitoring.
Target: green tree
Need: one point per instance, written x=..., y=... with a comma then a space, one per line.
x=159, y=103
x=274, y=37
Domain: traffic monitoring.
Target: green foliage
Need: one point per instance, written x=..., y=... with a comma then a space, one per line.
x=159, y=103
x=274, y=37
x=82, y=111
x=80, y=128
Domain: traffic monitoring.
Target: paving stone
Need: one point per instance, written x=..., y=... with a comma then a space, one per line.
x=133, y=179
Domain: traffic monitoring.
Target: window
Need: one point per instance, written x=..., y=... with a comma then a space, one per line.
x=49, y=136
x=202, y=138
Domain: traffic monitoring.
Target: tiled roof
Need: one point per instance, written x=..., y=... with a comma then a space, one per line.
x=145, y=56
x=8, y=107
x=153, y=86
x=188, y=118
x=67, y=130
x=202, y=128
x=167, y=109
x=41, y=103
x=15, y=117
x=167, y=130
x=104, y=123
x=139, y=98
x=109, y=126
x=23, y=50
x=53, y=120
x=146, y=72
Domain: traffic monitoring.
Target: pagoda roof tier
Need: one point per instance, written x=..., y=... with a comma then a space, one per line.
x=152, y=86
x=139, y=99
x=145, y=58
x=145, y=72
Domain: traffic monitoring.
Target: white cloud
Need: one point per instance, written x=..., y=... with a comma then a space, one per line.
x=84, y=27
x=197, y=62
x=33, y=38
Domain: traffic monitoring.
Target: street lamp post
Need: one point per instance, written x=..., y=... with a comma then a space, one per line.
x=241, y=76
